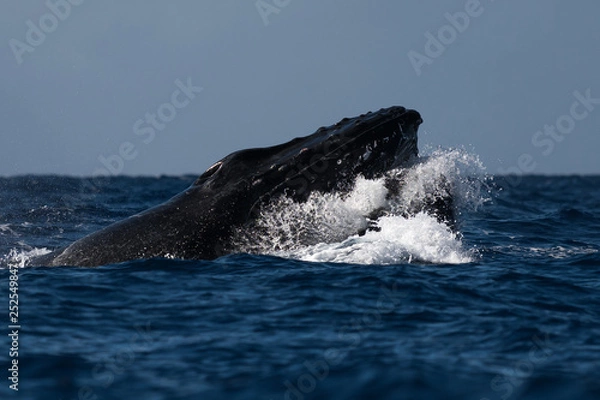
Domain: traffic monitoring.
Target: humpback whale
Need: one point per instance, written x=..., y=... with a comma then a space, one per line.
x=200, y=222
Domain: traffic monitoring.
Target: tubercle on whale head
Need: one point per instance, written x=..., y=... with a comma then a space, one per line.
x=329, y=159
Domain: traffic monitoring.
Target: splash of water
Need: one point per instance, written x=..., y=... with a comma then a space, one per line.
x=326, y=227
x=20, y=258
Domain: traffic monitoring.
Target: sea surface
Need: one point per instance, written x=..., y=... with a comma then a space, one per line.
x=507, y=309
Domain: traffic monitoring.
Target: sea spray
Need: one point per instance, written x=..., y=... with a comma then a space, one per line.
x=17, y=258
x=336, y=227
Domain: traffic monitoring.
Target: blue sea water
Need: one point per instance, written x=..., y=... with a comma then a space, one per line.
x=510, y=310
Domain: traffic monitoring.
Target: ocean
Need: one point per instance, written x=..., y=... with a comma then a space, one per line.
x=507, y=308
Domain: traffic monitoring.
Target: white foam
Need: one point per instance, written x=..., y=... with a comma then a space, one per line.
x=417, y=239
x=556, y=252
x=20, y=258
x=5, y=229
x=324, y=218
x=324, y=228
x=458, y=167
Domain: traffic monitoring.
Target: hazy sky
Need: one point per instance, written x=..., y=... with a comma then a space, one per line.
x=153, y=87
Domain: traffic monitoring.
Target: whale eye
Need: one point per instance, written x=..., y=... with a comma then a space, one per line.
x=212, y=169
x=208, y=173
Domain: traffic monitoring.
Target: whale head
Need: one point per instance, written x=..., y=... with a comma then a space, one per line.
x=201, y=222
x=328, y=160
